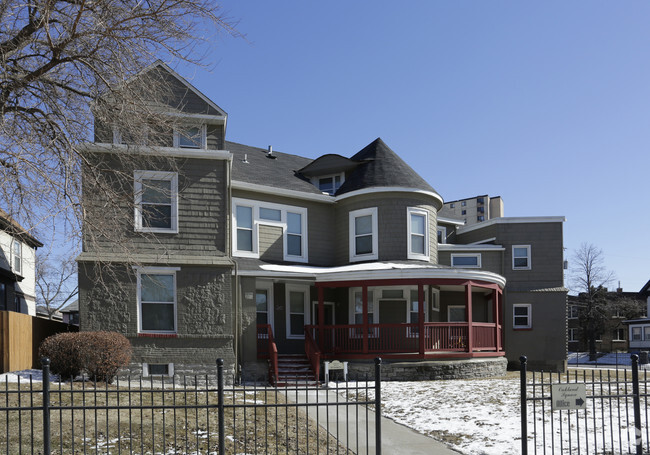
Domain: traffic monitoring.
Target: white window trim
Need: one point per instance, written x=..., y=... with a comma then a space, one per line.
x=435, y=302
x=571, y=307
x=17, y=270
x=305, y=290
x=449, y=308
x=257, y=221
x=528, y=257
x=443, y=231
x=530, y=316
x=138, y=177
x=631, y=334
x=478, y=260
x=573, y=335
x=204, y=136
x=245, y=253
x=617, y=333
x=372, y=211
x=421, y=212
x=268, y=287
x=170, y=370
x=156, y=271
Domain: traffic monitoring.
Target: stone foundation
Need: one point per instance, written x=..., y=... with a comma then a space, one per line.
x=421, y=370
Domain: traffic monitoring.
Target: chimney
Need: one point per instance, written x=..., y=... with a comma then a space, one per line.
x=619, y=289
x=270, y=154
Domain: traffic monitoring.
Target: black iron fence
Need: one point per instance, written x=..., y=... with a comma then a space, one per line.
x=196, y=415
x=595, y=411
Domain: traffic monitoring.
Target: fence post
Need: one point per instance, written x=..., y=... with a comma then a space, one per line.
x=524, y=408
x=220, y=413
x=637, y=404
x=378, y=405
x=45, y=362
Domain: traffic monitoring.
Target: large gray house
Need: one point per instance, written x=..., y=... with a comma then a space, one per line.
x=250, y=254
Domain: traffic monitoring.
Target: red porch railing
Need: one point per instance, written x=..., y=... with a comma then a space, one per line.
x=267, y=349
x=313, y=354
x=403, y=338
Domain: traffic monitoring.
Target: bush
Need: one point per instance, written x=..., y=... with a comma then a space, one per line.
x=63, y=349
x=104, y=353
x=99, y=354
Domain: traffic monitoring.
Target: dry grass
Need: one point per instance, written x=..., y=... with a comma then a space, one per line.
x=167, y=421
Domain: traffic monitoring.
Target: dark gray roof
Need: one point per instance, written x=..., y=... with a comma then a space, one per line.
x=279, y=172
x=328, y=164
x=381, y=167
x=74, y=306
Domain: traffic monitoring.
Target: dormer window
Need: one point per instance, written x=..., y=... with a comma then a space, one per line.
x=331, y=183
x=190, y=137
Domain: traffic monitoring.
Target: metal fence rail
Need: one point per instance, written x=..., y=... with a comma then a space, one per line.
x=607, y=421
x=197, y=415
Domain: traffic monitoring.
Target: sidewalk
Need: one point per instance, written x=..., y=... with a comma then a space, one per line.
x=396, y=439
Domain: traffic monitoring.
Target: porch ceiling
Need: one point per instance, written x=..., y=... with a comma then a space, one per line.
x=369, y=271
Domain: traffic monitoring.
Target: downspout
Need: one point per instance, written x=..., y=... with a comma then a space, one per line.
x=235, y=291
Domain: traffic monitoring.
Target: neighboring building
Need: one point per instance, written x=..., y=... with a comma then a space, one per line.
x=639, y=329
x=474, y=209
x=70, y=313
x=614, y=336
x=17, y=267
x=341, y=258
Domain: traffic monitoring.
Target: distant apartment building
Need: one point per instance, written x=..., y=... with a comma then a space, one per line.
x=474, y=209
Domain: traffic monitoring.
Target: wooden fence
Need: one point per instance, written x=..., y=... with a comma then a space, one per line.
x=20, y=337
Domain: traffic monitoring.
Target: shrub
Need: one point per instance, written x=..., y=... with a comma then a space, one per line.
x=99, y=354
x=104, y=353
x=63, y=351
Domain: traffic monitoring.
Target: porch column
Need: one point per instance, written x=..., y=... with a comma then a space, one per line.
x=364, y=297
x=421, y=334
x=468, y=307
x=321, y=318
x=497, y=316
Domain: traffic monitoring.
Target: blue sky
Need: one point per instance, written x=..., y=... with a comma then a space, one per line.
x=546, y=104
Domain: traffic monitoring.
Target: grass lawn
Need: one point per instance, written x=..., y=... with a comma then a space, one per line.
x=170, y=420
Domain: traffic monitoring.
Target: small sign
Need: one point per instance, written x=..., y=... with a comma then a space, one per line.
x=568, y=396
x=248, y=295
x=336, y=365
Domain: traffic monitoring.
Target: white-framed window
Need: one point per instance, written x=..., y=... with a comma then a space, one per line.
x=156, y=299
x=636, y=334
x=297, y=310
x=364, y=243
x=521, y=257
x=466, y=260
x=157, y=369
x=442, y=234
x=264, y=303
x=619, y=334
x=246, y=234
x=248, y=215
x=418, y=233
x=17, y=253
x=190, y=136
x=522, y=317
x=646, y=332
x=156, y=201
x=456, y=313
x=573, y=334
x=573, y=311
x=435, y=299
x=356, y=310
x=329, y=183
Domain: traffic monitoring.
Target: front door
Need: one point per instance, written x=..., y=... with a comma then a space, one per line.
x=392, y=311
x=329, y=319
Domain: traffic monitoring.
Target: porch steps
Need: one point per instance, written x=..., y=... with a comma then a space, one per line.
x=295, y=370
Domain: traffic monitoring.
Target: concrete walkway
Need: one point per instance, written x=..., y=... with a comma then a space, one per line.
x=344, y=424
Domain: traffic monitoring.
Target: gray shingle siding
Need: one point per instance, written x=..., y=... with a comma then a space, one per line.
x=202, y=207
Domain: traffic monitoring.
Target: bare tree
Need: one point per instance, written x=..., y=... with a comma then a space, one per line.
x=56, y=281
x=590, y=277
x=67, y=65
